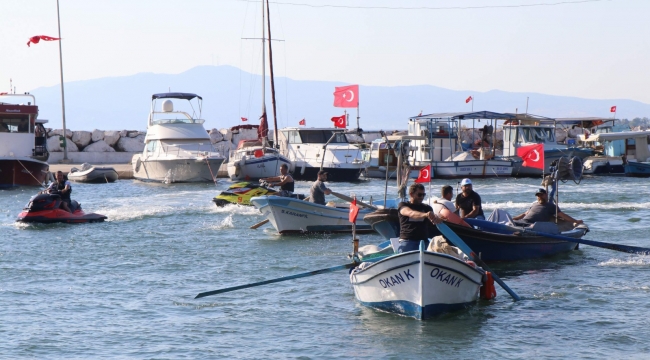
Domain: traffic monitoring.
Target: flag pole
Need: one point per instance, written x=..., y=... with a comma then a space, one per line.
x=65, y=147
x=357, y=114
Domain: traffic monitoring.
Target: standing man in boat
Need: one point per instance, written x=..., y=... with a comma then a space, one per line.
x=469, y=202
x=319, y=190
x=284, y=181
x=413, y=220
x=543, y=210
x=61, y=187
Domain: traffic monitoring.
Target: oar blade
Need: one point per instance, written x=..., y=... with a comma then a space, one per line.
x=255, y=226
x=451, y=236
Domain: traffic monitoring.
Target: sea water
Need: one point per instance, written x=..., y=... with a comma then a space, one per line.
x=125, y=288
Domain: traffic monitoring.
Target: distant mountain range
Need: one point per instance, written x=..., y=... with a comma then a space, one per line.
x=116, y=103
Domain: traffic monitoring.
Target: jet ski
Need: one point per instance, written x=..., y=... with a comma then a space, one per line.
x=242, y=192
x=44, y=208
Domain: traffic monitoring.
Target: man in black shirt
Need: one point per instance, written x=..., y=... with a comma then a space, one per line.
x=284, y=181
x=543, y=210
x=469, y=202
x=413, y=220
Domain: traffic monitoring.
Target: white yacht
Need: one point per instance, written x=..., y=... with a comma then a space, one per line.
x=177, y=146
x=310, y=149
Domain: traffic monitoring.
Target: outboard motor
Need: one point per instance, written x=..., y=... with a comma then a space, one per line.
x=42, y=202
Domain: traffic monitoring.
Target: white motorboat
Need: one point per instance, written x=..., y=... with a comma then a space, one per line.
x=177, y=146
x=309, y=149
x=289, y=215
x=419, y=284
x=440, y=147
x=23, y=146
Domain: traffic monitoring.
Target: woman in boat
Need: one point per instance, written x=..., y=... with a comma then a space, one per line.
x=543, y=210
x=413, y=216
x=284, y=181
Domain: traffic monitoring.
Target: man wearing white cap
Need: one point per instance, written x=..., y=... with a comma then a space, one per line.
x=469, y=202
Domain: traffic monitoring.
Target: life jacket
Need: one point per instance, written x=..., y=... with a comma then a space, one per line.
x=487, y=290
x=59, y=187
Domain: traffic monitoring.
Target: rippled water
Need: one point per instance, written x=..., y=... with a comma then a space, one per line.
x=125, y=288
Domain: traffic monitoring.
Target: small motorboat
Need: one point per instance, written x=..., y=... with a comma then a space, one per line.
x=242, y=192
x=44, y=208
x=93, y=174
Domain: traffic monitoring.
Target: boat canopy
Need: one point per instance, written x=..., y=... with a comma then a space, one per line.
x=175, y=95
x=584, y=122
x=465, y=116
x=615, y=136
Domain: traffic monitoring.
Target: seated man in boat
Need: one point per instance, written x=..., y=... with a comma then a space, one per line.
x=447, y=193
x=543, y=210
x=284, y=181
x=469, y=202
x=62, y=187
x=319, y=190
x=413, y=220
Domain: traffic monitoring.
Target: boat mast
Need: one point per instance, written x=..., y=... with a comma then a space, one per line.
x=263, y=63
x=275, y=118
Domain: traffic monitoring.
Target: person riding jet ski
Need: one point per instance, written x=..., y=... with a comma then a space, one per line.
x=63, y=188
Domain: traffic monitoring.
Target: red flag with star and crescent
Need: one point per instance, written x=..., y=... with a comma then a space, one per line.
x=612, y=109
x=346, y=96
x=302, y=122
x=36, y=39
x=339, y=121
x=425, y=174
x=354, y=211
x=468, y=99
x=533, y=156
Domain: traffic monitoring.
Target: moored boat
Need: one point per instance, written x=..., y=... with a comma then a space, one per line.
x=289, y=215
x=23, y=150
x=419, y=284
x=93, y=174
x=637, y=154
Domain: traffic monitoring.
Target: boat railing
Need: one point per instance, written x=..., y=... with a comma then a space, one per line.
x=177, y=121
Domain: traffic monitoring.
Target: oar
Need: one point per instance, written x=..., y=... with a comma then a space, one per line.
x=624, y=248
x=259, y=224
x=349, y=199
x=296, y=276
x=451, y=236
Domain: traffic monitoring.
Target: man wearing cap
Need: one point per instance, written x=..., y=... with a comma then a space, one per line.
x=543, y=210
x=469, y=202
x=319, y=190
x=413, y=220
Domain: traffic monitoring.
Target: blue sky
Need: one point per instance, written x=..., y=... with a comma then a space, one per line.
x=590, y=49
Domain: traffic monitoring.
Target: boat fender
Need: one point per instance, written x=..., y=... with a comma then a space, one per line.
x=442, y=211
x=302, y=170
x=487, y=290
x=137, y=165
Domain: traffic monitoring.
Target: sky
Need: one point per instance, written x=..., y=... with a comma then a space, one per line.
x=585, y=48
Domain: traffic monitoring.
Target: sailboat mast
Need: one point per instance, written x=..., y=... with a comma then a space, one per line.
x=275, y=118
x=263, y=62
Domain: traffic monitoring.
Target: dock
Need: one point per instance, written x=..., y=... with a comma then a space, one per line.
x=124, y=171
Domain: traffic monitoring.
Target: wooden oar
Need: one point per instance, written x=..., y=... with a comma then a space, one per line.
x=290, y=277
x=451, y=236
x=617, y=247
x=349, y=199
x=259, y=224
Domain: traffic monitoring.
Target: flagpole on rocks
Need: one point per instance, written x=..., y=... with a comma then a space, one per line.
x=65, y=147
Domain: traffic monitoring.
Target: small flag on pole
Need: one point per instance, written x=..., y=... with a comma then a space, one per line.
x=533, y=156
x=302, y=122
x=339, y=121
x=612, y=109
x=425, y=174
x=37, y=38
x=468, y=99
x=354, y=211
x=244, y=119
x=346, y=96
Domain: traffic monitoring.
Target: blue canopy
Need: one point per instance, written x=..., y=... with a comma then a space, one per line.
x=466, y=115
x=175, y=95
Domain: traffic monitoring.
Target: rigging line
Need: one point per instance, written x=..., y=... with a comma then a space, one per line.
x=286, y=91
x=436, y=8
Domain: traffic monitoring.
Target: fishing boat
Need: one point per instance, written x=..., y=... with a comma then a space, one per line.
x=177, y=146
x=441, y=147
x=23, y=147
x=419, y=284
x=289, y=215
x=382, y=158
x=93, y=174
x=311, y=149
x=637, y=155
x=254, y=160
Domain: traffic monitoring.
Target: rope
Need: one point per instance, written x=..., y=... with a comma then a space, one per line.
x=211, y=173
x=30, y=173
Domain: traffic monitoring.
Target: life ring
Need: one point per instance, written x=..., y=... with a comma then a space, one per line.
x=441, y=211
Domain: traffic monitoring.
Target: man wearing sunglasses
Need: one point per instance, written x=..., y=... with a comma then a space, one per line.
x=469, y=202
x=414, y=217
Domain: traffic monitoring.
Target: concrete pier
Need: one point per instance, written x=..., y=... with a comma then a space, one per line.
x=124, y=171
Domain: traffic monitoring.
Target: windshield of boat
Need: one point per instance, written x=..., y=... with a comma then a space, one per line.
x=177, y=147
x=315, y=136
x=177, y=120
x=16, y=123
x=536, y=135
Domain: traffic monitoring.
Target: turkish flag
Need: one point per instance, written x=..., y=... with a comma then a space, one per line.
x=346, y=96
x=302, y=122
x=468, y=99
x=339, y=121
x=533, y=156
x=354, y=211
x=425, y=174
x=612, y=109
x=37, y=38
x=244, y=119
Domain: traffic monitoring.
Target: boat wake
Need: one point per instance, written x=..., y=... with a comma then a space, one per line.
x=235, y=209
x=632, y=261
x=226, y=223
